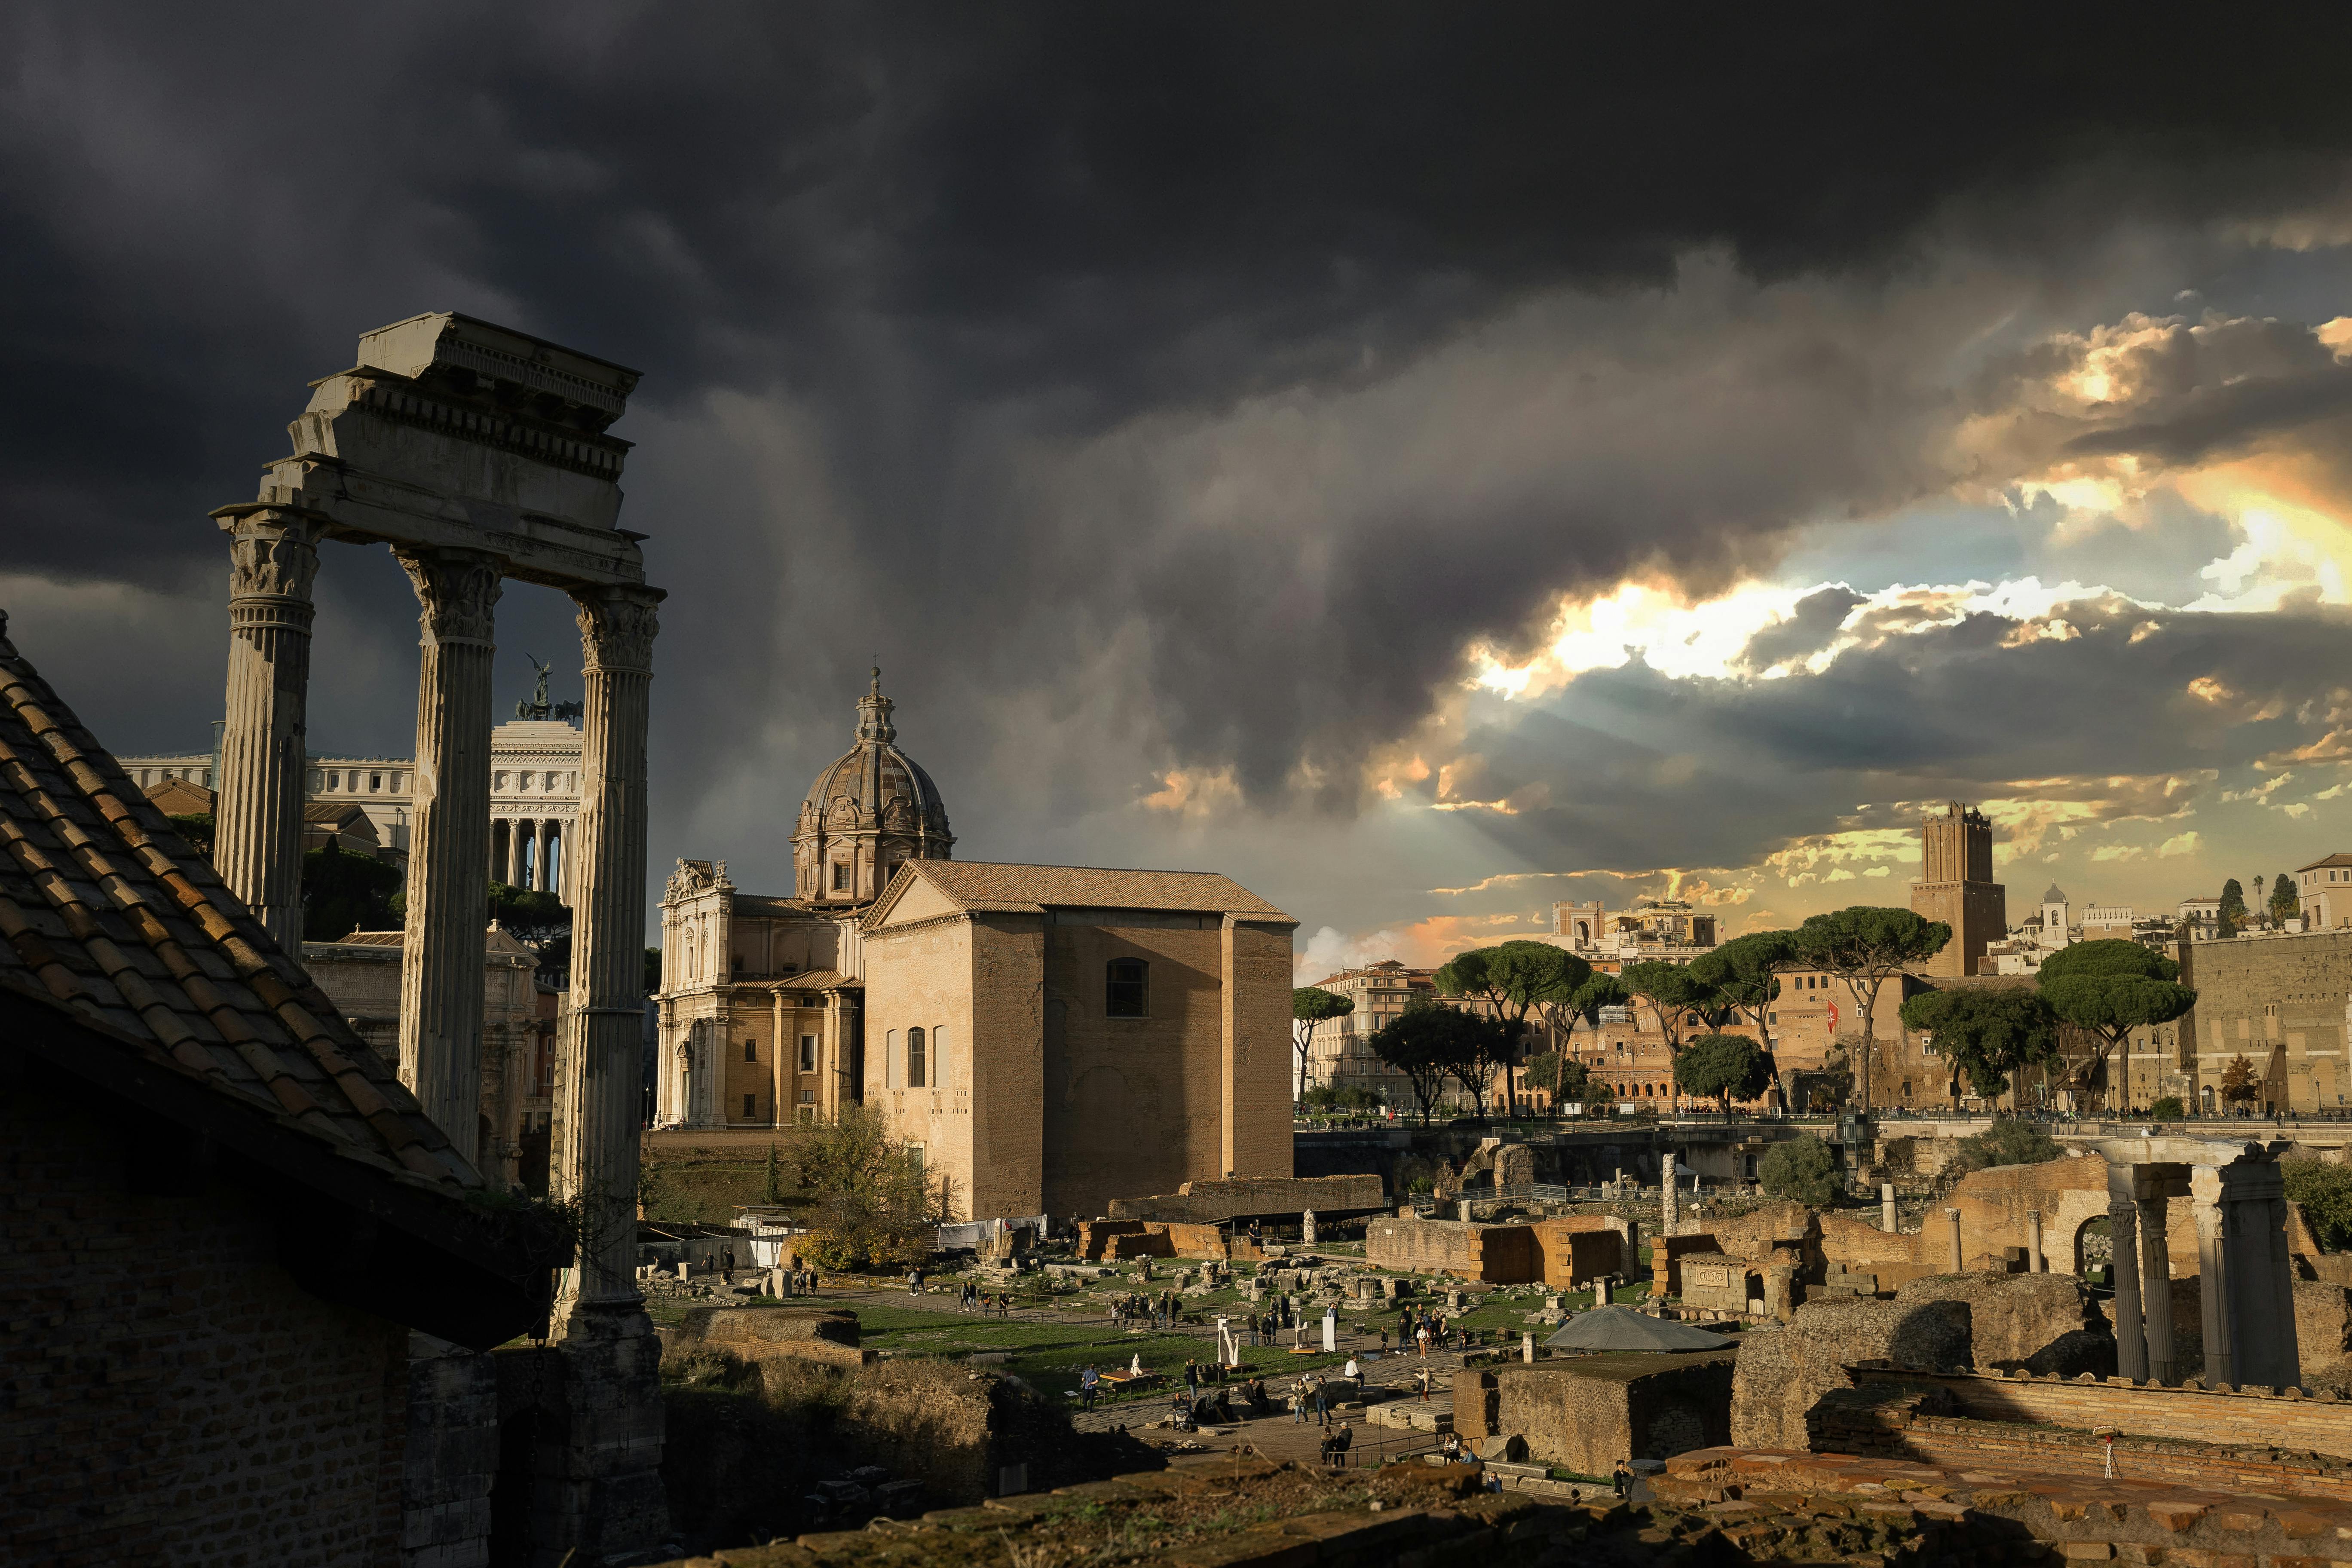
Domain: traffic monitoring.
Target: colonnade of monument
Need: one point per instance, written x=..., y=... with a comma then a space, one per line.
x=524, y=850
x=2245, y=1278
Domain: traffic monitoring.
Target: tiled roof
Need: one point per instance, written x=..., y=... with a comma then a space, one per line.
x=982, y=885
x=106, y=916
x=806, y=980
x=2321, y=865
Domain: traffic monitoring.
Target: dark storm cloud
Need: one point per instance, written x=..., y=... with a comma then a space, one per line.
x=2136, y=714
x=1019, y=343
x=1807, y=630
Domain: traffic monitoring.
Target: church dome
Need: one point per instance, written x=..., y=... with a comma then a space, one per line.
x=867, y=813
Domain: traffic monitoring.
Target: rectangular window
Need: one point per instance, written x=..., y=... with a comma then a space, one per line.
x=915, y=1155
x=1124, y=988
x=840, y=875
x=808, y=1096
x=751, y=1050
x=914, y=1063
x=751, y=1106
x=808, y=1053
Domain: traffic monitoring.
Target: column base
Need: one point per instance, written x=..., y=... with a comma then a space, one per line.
x=600, y=1487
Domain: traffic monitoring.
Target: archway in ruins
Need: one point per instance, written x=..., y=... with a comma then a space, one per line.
x=2093, y=1244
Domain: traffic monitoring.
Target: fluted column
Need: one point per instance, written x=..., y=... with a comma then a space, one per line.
x=2155, y=1282
x=600, y=1092
x=2261, y=1276
x=512, y=877
x=2122, y=1256
x=449, y=904
x=540, y=846
x=257, y=836
x=2218, y=1312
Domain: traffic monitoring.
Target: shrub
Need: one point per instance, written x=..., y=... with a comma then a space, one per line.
x=2005, y=1142
x=2168, y=1109
x=1804, y=1169
x=2325, y=1193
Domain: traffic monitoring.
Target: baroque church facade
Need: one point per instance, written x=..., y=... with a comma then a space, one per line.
x=1042, y=1038
x=762, y=1020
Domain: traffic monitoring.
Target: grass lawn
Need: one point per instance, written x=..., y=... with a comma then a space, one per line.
x=1050, y=1356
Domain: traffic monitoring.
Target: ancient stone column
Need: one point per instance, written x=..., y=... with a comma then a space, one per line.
x=2262, y=1280
x=2155, y=1280
x=600, y=1110
x=2122, y=1256
x=540, y=851
x=2219, y=1316
x=1307, y=1227
x=1666, y=1194
x=1959, y=1259
x=2035, y=1263
x=513, y=875
x=1887, y=1207
x=448, y=840
x=257, y=834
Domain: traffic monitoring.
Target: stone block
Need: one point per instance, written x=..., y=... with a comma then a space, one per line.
x=1782, y=1372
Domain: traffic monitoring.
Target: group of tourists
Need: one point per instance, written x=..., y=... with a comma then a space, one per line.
x=974, y=1299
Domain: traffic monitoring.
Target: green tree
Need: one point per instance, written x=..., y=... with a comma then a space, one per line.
x=1744, y=973
x=196, y=827
x=1988, y=1034
x=650, y=974
x=1584, y=1004
x=1724, y=1067
x=2233, y=906
x=343, y=892
x=2325, y=1193
x=1563, y=1077
x=2109, y=988
x=2168, y=1108
x=1864, y=947
x=1529, y=978
x=2285, y=904
x=2006, y=1142
x=871, y=1204
x=1803, y=1168
x=1426, y=1043
x=533, y=916
x=775, y=1177
x=1310, y=1005
x=1669, y=991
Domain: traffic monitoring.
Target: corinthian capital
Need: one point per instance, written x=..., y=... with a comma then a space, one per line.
x=272, y=554
x=458, y=590
x=617, y=627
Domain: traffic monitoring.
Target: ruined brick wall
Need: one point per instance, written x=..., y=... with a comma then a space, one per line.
x=1756, y=1234
x=2254, y=1418
x=1587, y=1413
x=1207, y=1202
x=173, y=1395
x=1570, y=1253
x=1497, y=1254
x=1717, y=1282
x=1783, y=1372
x=1890, y=1422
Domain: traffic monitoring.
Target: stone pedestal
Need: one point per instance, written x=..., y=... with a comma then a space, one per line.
x=448, y=841
x=1306, y=1227
x=260, y=789
x=452, y=1455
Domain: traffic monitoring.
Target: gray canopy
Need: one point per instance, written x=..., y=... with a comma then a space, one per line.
x=1623, y=1329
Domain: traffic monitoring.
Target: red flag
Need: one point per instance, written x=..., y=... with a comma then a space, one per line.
x=1832, y=1017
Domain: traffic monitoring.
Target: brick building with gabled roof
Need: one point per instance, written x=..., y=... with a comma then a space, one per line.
x=227, y=1213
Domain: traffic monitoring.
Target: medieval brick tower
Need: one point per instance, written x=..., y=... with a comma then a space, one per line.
x=1956, y=886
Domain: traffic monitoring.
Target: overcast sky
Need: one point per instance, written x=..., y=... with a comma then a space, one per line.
x=1423, y=462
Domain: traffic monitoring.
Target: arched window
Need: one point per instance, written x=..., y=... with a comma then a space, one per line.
x=915, y=1059
x=1125, y=989
x=938, y=1058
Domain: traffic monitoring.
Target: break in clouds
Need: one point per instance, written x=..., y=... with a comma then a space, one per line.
x=1240, y=440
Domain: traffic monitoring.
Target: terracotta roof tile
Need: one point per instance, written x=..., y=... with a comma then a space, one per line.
x=106, y=912
x=980, y=885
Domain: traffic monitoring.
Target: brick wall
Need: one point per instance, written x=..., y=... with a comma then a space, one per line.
x=1497, y=1254
x=2249, y=1419
x=174, y=1396
x=2261, y=995
x=1571, y=1252
x=1587, y=1413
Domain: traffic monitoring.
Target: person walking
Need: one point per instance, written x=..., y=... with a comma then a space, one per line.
x=1322, y=1402
x=1192, y=1375
x=913, y=1284
x=1299, y=1402
x=1087, y=1381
